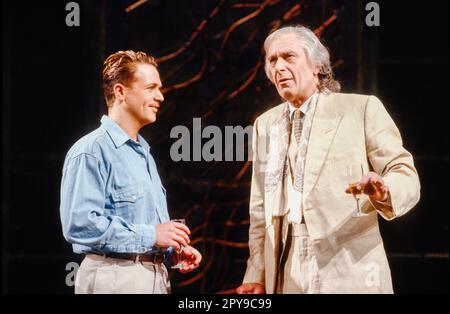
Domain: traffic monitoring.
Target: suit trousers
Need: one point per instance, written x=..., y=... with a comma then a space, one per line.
x=298, y=270
x=105, y=275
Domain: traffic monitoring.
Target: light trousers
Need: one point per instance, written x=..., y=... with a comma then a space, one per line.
x=105, y=275
x=298, y=271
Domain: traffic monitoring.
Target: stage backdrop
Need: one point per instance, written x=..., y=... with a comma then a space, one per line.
x=211, y=64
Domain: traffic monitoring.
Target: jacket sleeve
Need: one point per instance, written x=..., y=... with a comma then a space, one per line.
x=255, y=264
x=390, y=160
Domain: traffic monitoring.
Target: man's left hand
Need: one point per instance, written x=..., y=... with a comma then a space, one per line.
x=373, y=186
x=191, y=258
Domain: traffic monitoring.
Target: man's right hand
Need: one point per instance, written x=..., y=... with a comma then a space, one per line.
x=172, y=234
x=251, y=288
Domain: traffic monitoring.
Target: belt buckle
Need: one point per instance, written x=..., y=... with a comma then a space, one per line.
x=158, y=258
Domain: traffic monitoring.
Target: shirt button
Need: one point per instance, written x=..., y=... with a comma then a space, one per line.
x=134, y=197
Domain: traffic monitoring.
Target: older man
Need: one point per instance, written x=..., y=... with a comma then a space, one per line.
x=113, y=204
x=305, y=233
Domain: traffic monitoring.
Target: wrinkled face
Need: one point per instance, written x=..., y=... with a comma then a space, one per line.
x=143, y=97
x=290, y=70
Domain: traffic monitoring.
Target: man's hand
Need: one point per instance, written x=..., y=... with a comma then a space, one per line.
x=251, y=288
x=190, y=257
x=172, y=234
x=373, y=185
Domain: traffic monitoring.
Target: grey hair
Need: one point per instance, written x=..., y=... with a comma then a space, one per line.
x=315, y=51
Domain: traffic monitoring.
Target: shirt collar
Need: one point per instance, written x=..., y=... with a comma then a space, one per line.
x=303, y=108
x=118, y=135
x=143, y=142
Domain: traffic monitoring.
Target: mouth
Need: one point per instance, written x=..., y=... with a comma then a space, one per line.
x=283, y=81
x=155, y=107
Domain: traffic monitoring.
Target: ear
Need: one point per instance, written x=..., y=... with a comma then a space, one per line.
x=119, y=91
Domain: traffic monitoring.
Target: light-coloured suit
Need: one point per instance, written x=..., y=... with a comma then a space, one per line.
x=346, y=129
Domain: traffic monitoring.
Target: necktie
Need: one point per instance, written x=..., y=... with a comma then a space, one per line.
x=297, y=125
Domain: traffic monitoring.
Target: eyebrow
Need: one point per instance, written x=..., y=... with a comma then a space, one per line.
x=153, y=85
x=282, y=53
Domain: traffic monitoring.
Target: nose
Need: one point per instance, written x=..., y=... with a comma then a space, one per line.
x=278, y=68
x=159, y=96
x=280, y=65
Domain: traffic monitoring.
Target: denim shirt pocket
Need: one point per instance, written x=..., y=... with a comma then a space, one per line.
x=125, y=200
x=128, y=194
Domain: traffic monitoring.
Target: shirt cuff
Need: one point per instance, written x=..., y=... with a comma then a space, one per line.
x=145, y=237
x=384, y=208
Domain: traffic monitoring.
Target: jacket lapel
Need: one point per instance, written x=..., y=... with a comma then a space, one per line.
x=325, y=124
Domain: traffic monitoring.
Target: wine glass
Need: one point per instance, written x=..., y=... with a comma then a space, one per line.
x=354, y=175
x=179, y=264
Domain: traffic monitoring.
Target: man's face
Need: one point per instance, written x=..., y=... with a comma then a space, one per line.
x=143, y=97
x=291, y=71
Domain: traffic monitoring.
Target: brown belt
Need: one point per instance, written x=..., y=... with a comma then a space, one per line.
x=156, y=258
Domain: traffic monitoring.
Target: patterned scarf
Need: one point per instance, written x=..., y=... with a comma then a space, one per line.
x=277, y=162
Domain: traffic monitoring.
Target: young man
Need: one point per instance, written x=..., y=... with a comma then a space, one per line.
x=113, y=205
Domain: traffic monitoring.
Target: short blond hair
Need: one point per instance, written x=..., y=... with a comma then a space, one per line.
x=120, y=67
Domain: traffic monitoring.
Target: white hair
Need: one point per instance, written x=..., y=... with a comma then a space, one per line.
x=315, y=51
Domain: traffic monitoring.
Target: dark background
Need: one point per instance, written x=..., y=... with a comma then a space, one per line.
x=51, y=96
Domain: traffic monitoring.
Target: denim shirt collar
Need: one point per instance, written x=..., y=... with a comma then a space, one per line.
x=144, y=143
x=118, y=135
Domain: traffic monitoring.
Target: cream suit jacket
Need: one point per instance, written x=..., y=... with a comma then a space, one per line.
x=346, y=129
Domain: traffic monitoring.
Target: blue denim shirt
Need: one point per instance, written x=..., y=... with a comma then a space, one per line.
x=111, y=193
